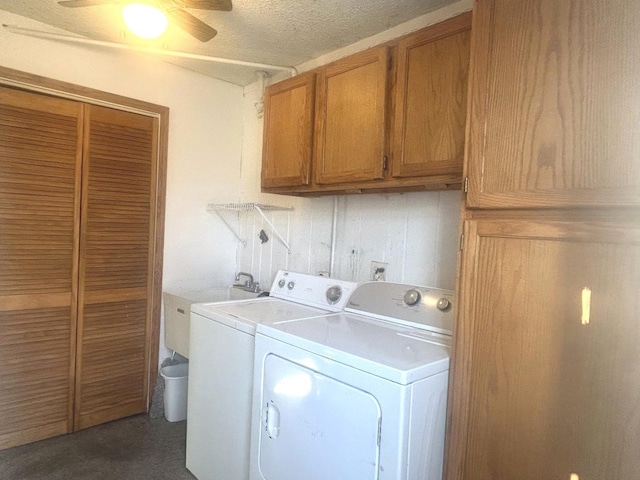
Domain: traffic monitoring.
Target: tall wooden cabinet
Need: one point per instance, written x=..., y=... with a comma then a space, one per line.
x=555, y=104
x=547, y=366
x=78, y=196
x=545, y=375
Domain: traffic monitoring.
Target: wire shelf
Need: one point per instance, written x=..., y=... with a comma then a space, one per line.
x=247, y=207
x=250, y=207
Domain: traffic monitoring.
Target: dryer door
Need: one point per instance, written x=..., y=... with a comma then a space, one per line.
x=315, y=427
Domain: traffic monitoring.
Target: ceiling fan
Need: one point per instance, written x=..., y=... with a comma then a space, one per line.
x=173, y=9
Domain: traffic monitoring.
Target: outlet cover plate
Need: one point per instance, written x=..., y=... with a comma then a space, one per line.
x=378, y=271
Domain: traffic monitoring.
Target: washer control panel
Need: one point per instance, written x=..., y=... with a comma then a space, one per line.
x=324, y=292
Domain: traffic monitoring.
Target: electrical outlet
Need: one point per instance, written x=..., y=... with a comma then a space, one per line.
x=378, y=271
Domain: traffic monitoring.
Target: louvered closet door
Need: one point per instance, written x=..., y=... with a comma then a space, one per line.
x=40, y=154
x=115, y=265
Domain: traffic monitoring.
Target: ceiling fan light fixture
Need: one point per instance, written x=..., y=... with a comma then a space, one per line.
x=145, y=21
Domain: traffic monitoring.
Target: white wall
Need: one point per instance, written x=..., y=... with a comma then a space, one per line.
x=205, y=139
x=415, y=233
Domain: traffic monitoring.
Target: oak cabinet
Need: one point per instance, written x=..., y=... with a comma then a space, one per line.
x=288, y=132
x=545, y=370
x=547, y=374
x=555, y=104
x=351, y=118
x=391, y=118
x=431, y=101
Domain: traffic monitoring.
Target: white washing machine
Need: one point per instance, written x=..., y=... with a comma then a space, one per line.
x=357, y=395
x=221, y=359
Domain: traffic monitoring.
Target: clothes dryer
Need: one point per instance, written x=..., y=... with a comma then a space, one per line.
x=359, y=394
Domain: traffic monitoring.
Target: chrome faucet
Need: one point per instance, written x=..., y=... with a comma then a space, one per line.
x=249, y=285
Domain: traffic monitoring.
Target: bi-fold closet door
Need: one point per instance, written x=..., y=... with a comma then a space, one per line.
x=77, y=196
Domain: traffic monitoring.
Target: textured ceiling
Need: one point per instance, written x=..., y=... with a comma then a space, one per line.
x=277, y=32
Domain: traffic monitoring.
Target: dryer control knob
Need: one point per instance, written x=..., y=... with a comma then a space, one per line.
x=281, y=283
x=443, y=304
x=290, y=285
x=333, y=294
x=412, y=297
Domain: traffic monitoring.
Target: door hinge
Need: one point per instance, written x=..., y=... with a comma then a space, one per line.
x=462, y=242
x=466, y=185
x=385, y=162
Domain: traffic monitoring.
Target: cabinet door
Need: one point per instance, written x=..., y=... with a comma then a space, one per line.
x=288, y=132
x=431, y=100
x=555, y=104
x=350, y=118
x=118, y=201
x=40, y=155
x=546, y=366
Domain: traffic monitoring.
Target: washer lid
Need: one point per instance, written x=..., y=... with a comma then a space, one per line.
x=245, y=314
x=395, y=352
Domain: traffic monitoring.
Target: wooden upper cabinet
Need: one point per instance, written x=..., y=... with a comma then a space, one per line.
x=555, y=104
x=351, y=118
x=431, y=100
x=288, y=132
x=545, y=379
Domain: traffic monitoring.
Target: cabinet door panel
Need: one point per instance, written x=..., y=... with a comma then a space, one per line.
x=546, y=374
x=555, y=104
x=40, y=155
x=431, y=100
x=351, y=117
x=115, y=265
x=288, y=132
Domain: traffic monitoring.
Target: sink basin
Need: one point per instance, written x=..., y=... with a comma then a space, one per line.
x=217, y=294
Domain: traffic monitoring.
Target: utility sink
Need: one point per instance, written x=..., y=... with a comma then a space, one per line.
x=217, y=294
x=177, y=309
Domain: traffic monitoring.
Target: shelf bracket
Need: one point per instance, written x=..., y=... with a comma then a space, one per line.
x=273, y=229
x=224, y=220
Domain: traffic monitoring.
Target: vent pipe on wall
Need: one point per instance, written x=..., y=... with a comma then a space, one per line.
x=156, y=51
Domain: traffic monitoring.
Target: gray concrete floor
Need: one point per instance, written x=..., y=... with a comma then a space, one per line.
x=136, y=448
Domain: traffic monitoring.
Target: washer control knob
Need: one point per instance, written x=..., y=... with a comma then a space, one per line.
x=333, y=294
x=443, y=304
x=281, y=283
x=412, y=297
x=290, y=285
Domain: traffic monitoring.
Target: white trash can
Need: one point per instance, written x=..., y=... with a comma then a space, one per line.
x=176, y=379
